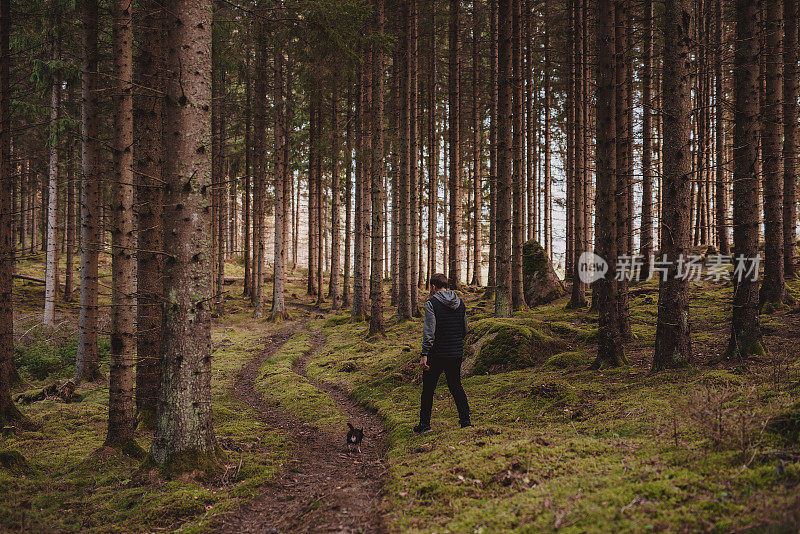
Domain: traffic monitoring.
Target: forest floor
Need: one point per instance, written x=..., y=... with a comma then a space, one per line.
x=713, y=447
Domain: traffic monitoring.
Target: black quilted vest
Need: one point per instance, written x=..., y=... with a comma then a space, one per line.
x=448, y=341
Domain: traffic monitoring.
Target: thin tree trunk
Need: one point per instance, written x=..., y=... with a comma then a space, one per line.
x=248, y=166
x=87, y=366
x=610, y=351
x=477, y=159
x=357, y=312
x=745, y=326
x=791, y=93
x=414, y=181
x=502, y=301
x=260, y=153
x=278, y=312
x=623, y=169
x=335, y=224
x=646, y=233
x=121, y=422
x=491, y=281
x=548, y=196
x=404, y=302
x=348, y=217
x=51, y=263
x=70, y=225
x=773, y=289
x=454, y=130
x=518, y=186
x=578, y=297
x=721, y=204
x=673, y=342
x=433, y=151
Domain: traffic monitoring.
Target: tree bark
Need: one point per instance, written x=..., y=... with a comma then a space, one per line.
x=87, y=366
x=721, y=201
x=491, y=280
x=518, y=176
x=646, y=232
x=348, y=195
x=454, y=129
x=673, y=341
x=335, y=224
x=260, y=167
x=184, y=435
x=149, y=209
x=623, y=168
x=477, y=156
x=415, y=181
x=51, y=262
x=70, y=225
x=502, y=302
x=376, y=270
x=9, y=414
x=278, y=312
x=578, y=297
x=610, y=351
x=121, y=422
x=791, y=137
x=773, y=289
x=433, y=151
x=745, y=338
x=548, y=180
x=404, y=296
x=248, y=151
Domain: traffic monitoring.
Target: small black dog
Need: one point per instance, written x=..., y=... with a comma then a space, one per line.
x=354, y=438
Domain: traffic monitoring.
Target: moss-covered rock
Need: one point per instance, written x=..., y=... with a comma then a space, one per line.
x=787, y=423
x=540, y=282
x=501, y=345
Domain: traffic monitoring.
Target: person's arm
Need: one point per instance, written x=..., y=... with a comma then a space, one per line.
x=466, y=321
x=428, y=329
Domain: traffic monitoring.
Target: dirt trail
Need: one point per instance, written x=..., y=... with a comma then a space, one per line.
x=322, y=488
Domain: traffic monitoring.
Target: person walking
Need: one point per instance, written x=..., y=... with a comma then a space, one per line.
x=442, y=350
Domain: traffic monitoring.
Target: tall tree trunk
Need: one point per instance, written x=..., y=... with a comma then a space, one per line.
x=454, y=129
x=578, y=297
x=219, y=194
x=491, y=280
x=70, y=225
x=673, y=342
x=376, y=270
x=278, y=312
x=335, y=193
x=646, y=232
x=414, y=182
x=87, y=366
x=319, y=202
x=348, y=195
x=357, y=311
x=610, y=346
x=518, y=176
x=9, y=414
x=548, y=180
x=477, y=156
x=773, y=289
x=184, y=435
x=149, y=209
x=248, y=165
x=721, y=203
x=502, y=301
x=404, y=302
x=51, y=263
x=433, y=150
x=791, y=138
x=623, y=169
x=745, y=327
x=260, y=167
x=121, y=422
x=530, y=158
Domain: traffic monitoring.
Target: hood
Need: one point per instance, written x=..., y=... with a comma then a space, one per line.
x=448, y=297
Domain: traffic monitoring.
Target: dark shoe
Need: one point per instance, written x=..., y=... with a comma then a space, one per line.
x=422, y=429
x=465, y=424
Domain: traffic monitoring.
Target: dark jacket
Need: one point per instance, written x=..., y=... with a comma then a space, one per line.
x=445, y=325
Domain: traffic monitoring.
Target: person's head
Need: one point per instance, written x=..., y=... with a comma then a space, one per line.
x=438, y=282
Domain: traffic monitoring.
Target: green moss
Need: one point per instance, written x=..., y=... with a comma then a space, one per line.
x=787, y=423
x=534, y=258
x=14, y=462
x=720, y=377
x=511, y=344
x=569, y=360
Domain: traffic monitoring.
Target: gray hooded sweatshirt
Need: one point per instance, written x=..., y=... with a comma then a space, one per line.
x=450, y=299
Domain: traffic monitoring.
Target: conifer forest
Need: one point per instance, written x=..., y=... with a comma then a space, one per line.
x=240, y=240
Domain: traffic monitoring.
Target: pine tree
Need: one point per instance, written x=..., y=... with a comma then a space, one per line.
x=791, y=137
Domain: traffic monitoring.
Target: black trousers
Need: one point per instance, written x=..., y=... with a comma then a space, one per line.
x=452, y=371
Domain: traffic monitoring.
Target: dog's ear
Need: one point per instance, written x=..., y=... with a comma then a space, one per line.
x=350, y=426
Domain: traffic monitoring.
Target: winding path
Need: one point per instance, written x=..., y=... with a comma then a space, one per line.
x=322, y=488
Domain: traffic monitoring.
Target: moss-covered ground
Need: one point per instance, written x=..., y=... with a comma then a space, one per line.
x=712, y=447
x=556, y=446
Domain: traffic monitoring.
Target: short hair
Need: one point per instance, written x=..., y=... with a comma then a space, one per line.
x=439, y=281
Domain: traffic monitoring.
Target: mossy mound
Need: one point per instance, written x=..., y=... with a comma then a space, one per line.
x=555, y=392
x=787, y=423
x=14, y=462
x=720, y=377
x=501, y=345
x=540, y=282
x=569, y=360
